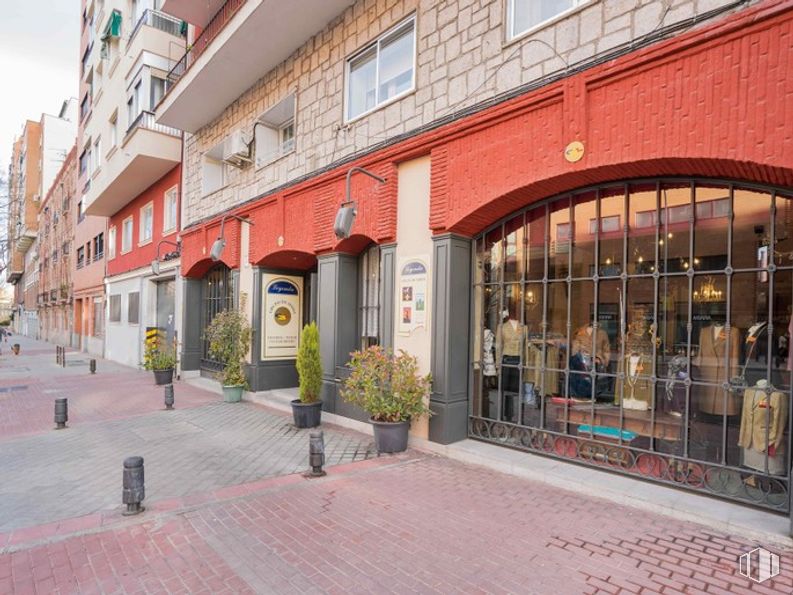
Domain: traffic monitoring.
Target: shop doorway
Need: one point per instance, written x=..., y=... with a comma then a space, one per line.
x=217, y=296
x=166, y=309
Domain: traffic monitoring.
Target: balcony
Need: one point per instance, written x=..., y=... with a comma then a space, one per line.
x=242, y=42
x=158, y=20
x=24, y=238
x=148, y=151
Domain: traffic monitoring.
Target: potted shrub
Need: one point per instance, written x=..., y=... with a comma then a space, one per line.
x=391, y=390
x=160, y=359
x=229, y=336
x=307, y=410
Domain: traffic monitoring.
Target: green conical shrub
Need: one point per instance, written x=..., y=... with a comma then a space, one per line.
x=309, y=364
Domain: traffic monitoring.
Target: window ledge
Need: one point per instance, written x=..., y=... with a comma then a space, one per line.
x=540, y=26
x=276, y=159
x=215, y=191
x=111, y=152
x=145, y=242
x=383, y=105
x=169, y=231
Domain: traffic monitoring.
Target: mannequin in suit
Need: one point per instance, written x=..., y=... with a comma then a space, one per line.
x=711, y=364
x=763, y=421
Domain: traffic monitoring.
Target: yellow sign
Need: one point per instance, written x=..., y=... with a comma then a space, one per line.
x=574, y=151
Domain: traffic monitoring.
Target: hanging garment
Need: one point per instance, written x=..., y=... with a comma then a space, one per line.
x=711, y=368
x=488, y=359
x=534, y=374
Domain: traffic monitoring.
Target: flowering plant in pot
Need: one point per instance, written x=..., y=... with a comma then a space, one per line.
x=391, y=390
x=229, y=336
x=307, y=410
x=160, y=358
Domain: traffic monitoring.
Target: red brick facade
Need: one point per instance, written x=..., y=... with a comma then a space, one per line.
x=714, y=101
x=141, y=256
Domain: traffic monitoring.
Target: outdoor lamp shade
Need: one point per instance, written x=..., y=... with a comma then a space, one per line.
x=155, y=266
x=217, y=249
x=344, y=221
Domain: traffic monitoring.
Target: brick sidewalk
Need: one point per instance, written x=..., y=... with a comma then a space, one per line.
x=412, y=523
x=31, y=381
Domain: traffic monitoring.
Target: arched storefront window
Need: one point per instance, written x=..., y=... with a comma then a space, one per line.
x=217, y=297
x=645, y=327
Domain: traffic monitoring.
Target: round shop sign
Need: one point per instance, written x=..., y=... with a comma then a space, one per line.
x=282, y=316
x=574, y=151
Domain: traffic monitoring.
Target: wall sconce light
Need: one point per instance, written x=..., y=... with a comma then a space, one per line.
x=345, y=216
x=220, y=243
x=155, y=264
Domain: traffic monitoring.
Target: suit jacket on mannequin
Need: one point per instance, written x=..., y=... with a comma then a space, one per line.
x=710, y=361
x=509, y=340
x=763, y=415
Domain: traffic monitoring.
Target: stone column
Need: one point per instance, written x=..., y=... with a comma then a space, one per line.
x=451, y=281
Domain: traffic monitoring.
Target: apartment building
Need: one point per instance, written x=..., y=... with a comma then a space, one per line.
x=37, y=158
x=24, y=178
x=133, y=176
x=55, y=248
x=572, y=195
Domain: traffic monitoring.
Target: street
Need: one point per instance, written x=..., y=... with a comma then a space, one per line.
x=229, y=511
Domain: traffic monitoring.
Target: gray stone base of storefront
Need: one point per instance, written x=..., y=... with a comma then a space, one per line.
x=744, y=521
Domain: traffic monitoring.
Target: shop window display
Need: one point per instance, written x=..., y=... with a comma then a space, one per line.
x=646, y=326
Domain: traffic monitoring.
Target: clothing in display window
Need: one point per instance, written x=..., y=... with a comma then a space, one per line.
x=488, y=359
x=636, y=391
x=673, y=400
x=509, y=342
x=763, y=422
x=711, y=366
x=534, y=374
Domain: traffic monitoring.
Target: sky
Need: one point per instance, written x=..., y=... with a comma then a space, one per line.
x=39, y=59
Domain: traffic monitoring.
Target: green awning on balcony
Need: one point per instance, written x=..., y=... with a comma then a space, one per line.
x=113, y=28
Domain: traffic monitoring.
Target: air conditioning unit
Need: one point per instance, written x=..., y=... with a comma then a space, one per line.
x=236, y=149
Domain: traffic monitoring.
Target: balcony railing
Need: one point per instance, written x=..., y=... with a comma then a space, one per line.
x=158, y=20
x=147, y=121
x=214, y=26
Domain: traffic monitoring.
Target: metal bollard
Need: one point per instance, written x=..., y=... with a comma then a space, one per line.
x=169, y=397
x=316, y=453
x=61, y=413
x=57, y=354
x=63, y=357
x=134, y=490
x=92, y=366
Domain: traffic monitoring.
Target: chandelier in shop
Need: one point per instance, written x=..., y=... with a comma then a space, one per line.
x=708, y=292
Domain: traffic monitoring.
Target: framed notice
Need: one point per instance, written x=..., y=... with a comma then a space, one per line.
x=412, y=294
x=282, y=316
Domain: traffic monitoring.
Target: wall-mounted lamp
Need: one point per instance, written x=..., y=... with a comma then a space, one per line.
x=155, y=264
x=220, y=243
x=345, y=217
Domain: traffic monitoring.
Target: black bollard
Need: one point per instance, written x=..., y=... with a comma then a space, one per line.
x=169, y=397
x=92, y=366
x=316, y=453
x=134, y=490
x=63, y=357
x=57, y=354
x=61, y=413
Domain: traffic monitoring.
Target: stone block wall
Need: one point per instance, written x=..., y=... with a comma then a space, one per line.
x=463, y=58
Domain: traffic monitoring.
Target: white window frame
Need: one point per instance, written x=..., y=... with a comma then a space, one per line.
x=111, y=242
x=113, y=131
x=368, y=47
x=142, y=241
x=126, y=238
x=213, y=158
x=96, y=155
x=512, y=34
x=170, y=195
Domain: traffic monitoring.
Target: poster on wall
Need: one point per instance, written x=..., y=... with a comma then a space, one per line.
x=412, y=295
x=282, y=316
